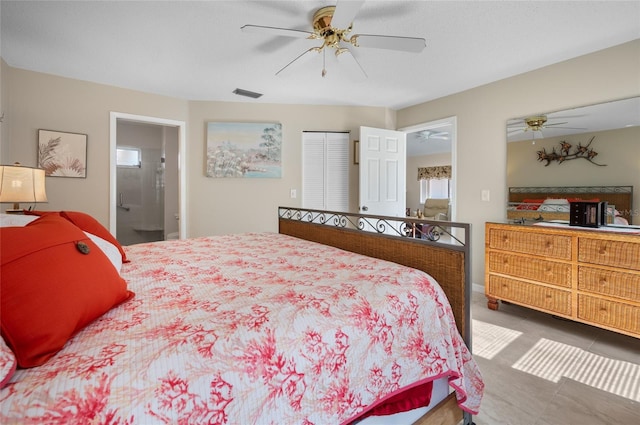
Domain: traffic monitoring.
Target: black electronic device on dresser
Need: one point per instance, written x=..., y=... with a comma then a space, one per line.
x=588, y=214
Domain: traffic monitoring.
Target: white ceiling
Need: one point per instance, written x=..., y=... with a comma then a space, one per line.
x=196, y=51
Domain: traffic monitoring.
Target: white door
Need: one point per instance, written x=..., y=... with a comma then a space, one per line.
x=383, y=172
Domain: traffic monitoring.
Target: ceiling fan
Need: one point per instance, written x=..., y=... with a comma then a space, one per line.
x=426, y=135
x=332, y=25
x=537, y=123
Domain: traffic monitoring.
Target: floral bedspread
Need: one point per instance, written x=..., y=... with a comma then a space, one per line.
x=260, y=328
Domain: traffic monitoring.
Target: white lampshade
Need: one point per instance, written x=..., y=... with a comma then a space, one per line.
x=22, y=184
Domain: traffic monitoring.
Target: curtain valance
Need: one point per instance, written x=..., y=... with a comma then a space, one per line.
x=440, y=172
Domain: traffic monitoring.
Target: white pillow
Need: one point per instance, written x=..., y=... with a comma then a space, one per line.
x=16, y=220
x=555, y=201
x=555, y=205
x=109, y=249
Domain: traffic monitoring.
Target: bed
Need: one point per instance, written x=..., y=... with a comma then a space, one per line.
x=321, y=323
x=552, y=203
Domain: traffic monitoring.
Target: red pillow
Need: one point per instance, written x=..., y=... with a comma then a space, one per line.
x=54, y=282
x=88, y=224
x=533, y=204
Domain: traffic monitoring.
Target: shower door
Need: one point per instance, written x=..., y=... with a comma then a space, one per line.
x=141, y=177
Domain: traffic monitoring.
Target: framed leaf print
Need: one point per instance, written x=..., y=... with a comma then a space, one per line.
x=62, y=154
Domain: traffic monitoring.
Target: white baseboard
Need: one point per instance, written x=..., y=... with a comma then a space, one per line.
x=476, y=287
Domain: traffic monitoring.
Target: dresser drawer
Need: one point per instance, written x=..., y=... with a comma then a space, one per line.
x=609, y=313
x=532, y=268
x=527, y=242
x=609, y=253
x=607, y=282
x=542, y=297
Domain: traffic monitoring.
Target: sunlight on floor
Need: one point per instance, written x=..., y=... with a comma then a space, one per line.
x=489, y=340
x=553, y=360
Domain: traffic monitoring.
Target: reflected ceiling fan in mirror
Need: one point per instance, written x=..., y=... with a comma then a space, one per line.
x=537, y=123
x=426, y=135
x=332, y=25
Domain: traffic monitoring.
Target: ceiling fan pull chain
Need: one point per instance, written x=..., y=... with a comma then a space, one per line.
x=324, y=58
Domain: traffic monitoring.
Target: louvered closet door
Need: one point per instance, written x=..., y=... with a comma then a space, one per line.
x=325, y=173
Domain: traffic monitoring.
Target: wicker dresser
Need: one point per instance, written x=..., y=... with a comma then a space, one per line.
x=588, y=276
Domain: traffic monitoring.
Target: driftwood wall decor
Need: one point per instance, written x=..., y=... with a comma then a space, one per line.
x=567, y=154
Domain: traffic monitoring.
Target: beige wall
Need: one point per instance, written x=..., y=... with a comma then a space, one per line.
x=413, y=185
x=482, y=114
x=40, y=101
x=214, y=206
x=34, y=101
x=2, y=109
x=218, y=206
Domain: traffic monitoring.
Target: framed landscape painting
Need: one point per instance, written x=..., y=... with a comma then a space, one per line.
x=62, y=154
x=244, y=150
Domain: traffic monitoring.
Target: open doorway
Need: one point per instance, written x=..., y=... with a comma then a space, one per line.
x=431, y=144
x=147, y=179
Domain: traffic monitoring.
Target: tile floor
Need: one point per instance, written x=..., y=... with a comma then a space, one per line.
x=539, y=370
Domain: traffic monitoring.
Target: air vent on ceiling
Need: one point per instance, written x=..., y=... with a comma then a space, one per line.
x=247, y=93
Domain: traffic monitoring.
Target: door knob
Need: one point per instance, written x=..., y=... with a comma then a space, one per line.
x=365, y=208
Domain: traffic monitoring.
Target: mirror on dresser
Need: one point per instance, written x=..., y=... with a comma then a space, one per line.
x=595, y=145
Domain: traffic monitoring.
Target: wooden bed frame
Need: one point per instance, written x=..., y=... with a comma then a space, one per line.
x=619, y=196
x=447, y=262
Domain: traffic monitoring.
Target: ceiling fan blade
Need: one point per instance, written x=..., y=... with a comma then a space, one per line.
x=351, y=64
x=562, y=117
x=306, y=54
x=566, y=128
x=554, y=124
x=285, y=32
x=345, y=13
x=405, y=44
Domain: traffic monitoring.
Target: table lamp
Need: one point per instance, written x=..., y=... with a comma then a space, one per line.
x=21, y=184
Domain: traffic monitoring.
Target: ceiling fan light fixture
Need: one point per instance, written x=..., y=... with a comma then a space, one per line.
x=535, y=123
x=247, y=93
x=322, y=19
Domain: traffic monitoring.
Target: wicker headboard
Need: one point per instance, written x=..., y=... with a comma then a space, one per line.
x=620, y=196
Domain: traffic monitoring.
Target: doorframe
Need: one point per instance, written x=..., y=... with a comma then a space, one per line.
x=434, y=125
x=182, y=181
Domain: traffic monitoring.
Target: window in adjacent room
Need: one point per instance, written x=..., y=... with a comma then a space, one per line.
x=325, y=171
x=128, y=157
x=435, y=182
